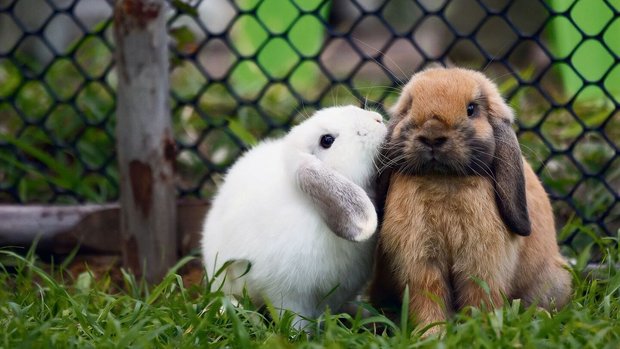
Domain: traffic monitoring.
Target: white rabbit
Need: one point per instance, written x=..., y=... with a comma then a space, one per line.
x=296, y=210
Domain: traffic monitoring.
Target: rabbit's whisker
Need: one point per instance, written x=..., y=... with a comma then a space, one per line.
x=399, y=81
x=392, y=162
x=487, y=171
x=532, y=152
x=494, y=157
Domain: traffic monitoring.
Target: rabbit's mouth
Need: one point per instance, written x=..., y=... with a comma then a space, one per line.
x=449, y=162
x=453, y=152
x=436, y=164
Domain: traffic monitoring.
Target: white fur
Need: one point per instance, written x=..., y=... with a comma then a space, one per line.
x=261, y=216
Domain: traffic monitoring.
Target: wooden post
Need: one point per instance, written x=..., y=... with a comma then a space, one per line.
x=146, y=148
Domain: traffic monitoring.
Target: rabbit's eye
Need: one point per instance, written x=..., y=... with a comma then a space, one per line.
x=471, y=109
x=327, y=141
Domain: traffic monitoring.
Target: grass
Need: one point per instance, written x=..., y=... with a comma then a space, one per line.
x=43, y=308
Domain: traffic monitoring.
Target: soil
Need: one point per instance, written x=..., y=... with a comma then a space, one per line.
x=102, y=265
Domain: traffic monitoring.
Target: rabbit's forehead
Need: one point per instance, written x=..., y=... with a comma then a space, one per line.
x=444, y=95
x=330, y=124
x=343, y=121
x=312, y=130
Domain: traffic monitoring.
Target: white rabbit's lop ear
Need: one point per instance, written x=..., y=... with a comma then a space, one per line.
x=345, y=207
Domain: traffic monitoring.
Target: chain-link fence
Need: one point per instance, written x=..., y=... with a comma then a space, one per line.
x=248, y=69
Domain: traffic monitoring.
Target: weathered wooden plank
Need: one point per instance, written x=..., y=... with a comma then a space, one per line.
x=95, y=228
x=145, y=146
x=19, y=225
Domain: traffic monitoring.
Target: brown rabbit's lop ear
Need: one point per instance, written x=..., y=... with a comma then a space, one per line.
x=382, y=182
x=436, y=65
x=400, y=108
x=508, y=171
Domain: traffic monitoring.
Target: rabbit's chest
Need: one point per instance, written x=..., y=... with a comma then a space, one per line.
x=441, y=218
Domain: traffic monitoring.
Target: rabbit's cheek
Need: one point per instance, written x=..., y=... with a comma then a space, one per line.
x=482, y=128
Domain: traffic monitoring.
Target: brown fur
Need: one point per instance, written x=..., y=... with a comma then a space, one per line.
x=445, y=227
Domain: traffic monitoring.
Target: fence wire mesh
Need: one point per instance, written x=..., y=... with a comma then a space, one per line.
x=248, y=69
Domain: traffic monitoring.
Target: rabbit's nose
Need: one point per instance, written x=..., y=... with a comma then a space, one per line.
x=431, y=141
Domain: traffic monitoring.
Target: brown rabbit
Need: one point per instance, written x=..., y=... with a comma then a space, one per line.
x=461, y=204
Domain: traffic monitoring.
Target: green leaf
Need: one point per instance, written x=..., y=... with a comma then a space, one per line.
x=183, y=36
x=240, y=132
x=184, y=7
x=84, y=282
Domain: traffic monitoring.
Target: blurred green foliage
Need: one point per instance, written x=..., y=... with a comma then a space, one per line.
x=58, y=131
x=591, y=58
